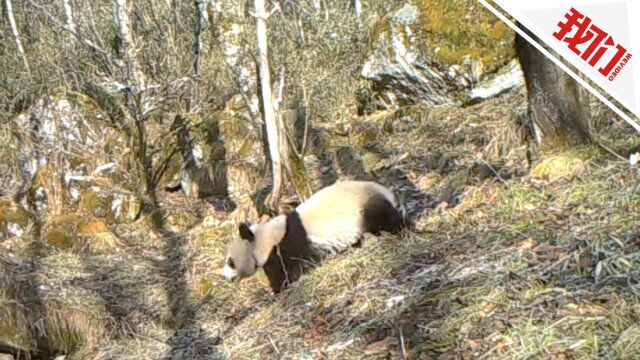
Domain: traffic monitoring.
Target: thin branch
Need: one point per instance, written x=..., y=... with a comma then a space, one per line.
x=305, y=135
x=273, y=134
x=16, y=35
x=278, y=101
x=201, y=20
x=56, y=22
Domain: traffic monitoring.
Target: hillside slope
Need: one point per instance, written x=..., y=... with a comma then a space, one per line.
x=508, y=260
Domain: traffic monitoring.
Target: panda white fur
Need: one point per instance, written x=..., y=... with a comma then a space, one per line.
x=330, y=221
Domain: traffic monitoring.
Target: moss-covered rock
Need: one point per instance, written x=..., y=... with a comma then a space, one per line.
x=110, y=205
x=14, y=220
x=60, y=239
x=66, y=146
x=433, y=51
x=464, y=33
x=91, y=227
x=68, y=232
x=246, y=166
x=103, y=242
x=199, y=167
x=398, y=67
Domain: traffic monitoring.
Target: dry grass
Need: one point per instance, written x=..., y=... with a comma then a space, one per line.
x=524, y=267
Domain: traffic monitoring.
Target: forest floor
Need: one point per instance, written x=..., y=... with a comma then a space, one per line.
x=507, y=260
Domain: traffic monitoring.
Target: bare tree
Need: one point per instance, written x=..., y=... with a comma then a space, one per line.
x=136, y=76
x=202, y=17
x=16, y=35
x=556, y=115
x=233, y=47
x=135, y=89
x=268, y=111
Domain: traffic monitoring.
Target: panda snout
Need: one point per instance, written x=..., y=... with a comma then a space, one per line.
x=228, y=273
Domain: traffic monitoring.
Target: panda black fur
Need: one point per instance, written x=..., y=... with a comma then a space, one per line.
x=330, y=221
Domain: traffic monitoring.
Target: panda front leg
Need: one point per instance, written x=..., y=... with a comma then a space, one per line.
x=359, y=241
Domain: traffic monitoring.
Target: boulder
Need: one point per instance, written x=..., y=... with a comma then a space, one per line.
x=435, y=51
x=67, y=147
x=14, y=219
x=246, y=166
x=199, y=169
x=504, y=80
x=399, y=69
x=68, y=232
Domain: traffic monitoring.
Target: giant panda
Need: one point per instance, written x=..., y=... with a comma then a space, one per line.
x=330, y=221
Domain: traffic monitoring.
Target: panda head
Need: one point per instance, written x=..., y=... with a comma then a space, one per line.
x=251, y=249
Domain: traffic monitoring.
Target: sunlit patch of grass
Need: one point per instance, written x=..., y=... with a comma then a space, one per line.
x=627, y=346
x=559, y=166
x=583, y=190
x=512, y=202
x=568, y=163
x=530, y=339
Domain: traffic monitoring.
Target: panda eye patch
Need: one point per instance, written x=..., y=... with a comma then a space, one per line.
x=231, y=263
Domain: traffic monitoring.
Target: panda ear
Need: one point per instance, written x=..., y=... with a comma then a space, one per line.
x=245, y=232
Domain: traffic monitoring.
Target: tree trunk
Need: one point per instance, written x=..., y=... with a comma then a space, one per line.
x=135, y=76
x=271, y=124
x=136, y=81
x=557, y=117
x=16, y=35
x=201, y=22
x=230, y=36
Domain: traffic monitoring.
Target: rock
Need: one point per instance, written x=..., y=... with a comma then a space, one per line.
x=401, y=73
x=113, y=206
x=246, y=166
x=200, y=168
x=66, y=146
x=14, y=219
x=91, y=227
x=506, y=79
x=60, y=239
x=103, y=242
x=418, y=57
x=73, y=231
